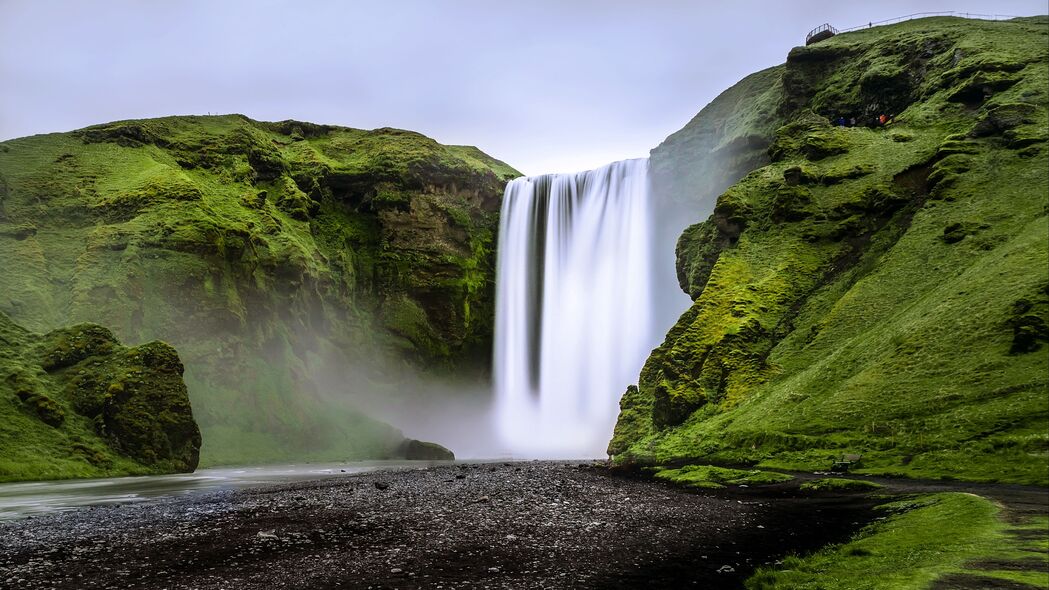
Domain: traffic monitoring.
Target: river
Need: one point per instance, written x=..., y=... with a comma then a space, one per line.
x=22, y=499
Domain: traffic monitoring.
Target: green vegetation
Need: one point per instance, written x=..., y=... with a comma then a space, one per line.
x=417, y=450
x=294, y=266
x=877, y=290
x=958, y=539
x=838, y=484
x=76, y=403
x=708, y=476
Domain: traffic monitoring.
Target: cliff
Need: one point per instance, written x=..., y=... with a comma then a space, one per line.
x=296, y=267
x=873, y=289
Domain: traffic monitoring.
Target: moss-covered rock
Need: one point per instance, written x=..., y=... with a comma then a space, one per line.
x=43, y=406
x=873, y=289
x=809, y=135
x=294, y=266
x=418, y=450
x=83, y=405
x=711, y=477
x=837, y=484
x=1030, y=322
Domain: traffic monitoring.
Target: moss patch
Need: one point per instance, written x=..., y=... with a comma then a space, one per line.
x=708, y=476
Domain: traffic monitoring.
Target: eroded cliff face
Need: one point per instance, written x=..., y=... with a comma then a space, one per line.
x=296, y=267
x=76, y=403
x=874, y=289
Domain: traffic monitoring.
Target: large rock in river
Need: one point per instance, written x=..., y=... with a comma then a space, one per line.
x=417, y=450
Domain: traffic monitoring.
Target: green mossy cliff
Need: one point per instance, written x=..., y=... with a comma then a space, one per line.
x=881, y=290
x=75, y=403
x=295, y=266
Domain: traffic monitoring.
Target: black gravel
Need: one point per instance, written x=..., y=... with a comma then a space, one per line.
x=513, y=525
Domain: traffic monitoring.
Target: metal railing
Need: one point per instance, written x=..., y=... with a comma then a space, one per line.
x=824, y=28
x=900, y=19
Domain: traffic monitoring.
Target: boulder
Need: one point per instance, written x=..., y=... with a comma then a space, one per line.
x=418, y=450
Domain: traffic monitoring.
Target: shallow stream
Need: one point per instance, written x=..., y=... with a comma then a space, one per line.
x=21, y=499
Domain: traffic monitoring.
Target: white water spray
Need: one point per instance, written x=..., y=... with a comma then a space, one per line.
x=573, y=307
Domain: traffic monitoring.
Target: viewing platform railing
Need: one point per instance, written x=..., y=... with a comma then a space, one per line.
x=900, y=19
x=824, y=31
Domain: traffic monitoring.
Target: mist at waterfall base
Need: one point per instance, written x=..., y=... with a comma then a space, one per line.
x=579, y=306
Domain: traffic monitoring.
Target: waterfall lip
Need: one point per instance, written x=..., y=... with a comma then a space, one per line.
x=530, y=177
x=573, y=306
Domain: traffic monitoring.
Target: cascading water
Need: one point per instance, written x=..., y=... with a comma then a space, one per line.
x=573, y=306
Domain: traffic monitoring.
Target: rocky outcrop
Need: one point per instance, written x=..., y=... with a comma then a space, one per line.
x=76, y=403
x=869, y=288
x=296, y=267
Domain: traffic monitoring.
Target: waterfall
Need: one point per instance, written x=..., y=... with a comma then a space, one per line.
x=573, y=307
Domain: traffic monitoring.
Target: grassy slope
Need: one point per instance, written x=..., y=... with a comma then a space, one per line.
x=292, y=264
x=918, y=541
x=75, y=403
x=873, y=290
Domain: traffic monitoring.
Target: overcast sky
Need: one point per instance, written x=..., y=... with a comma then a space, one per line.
x=548, y=86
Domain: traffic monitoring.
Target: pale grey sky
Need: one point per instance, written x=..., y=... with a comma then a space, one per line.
x=547, y=85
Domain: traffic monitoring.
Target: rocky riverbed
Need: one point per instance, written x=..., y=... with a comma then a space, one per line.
x=489, y=525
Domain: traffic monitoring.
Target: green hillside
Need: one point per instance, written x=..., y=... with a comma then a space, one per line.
x=879, y=289
x=294, y=266
x=76, y=403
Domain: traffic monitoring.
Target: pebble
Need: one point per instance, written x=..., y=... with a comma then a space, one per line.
x=583, y=527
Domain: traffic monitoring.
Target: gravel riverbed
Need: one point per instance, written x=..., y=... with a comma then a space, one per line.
x=489, y=525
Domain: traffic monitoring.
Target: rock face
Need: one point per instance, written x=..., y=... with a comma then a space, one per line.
x=878, y=289
x=296, y=267
x=76, y=403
